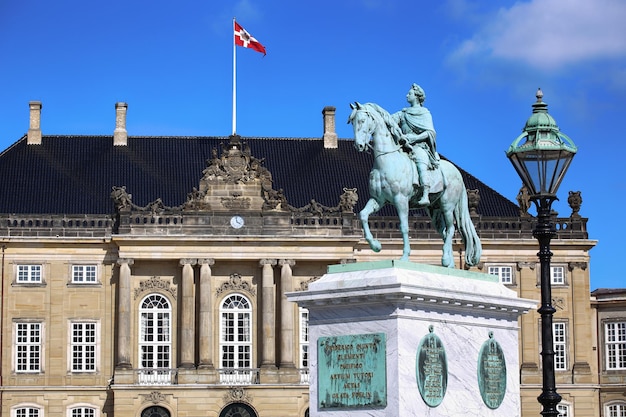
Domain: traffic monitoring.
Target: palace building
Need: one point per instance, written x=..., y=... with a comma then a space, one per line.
x=146, y=276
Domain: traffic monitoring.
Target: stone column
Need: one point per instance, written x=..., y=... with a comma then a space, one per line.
x=187, y=339
x=123, y=310
x=206, y=316
x=286, y=315
x=268, y=358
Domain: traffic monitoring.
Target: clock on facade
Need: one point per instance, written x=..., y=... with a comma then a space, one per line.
x=237, y=222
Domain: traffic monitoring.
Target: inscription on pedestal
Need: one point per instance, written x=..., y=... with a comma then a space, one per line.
x=352, y=371
x=492, y=373
x=432, y=369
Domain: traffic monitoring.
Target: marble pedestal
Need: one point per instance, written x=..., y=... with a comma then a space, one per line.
x=402, y=305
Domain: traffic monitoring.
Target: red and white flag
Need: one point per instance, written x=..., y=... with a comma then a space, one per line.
x=243, y=38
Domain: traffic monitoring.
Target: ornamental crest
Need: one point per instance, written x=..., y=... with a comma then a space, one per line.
x=154, y=397
x=155, y=283
x=237, y=394
x=235, y=283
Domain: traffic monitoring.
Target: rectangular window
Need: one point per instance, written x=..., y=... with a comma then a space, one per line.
x=83, y=274
x=560, y=346
x=615, y=342
x=27, y=347
x=28, y=274
x=304, y=338
x=83, y=345
x=557, y=275
x=563, y=410
x=504, y=273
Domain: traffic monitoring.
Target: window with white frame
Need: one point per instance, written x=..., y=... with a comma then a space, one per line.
x=616, y=410
x=27, y=412
x=82, y=411
x=155, y=332
x=559, y=330
x=28, y=345
x=83, y=274
x=557, y=275
x=563, y=409
x=83, y=345
x=236, y=332
x=28, y=274
x=304, y=337
x=615, y=344
x=504, y=273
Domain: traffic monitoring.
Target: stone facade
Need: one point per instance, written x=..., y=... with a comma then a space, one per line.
x=146, y=288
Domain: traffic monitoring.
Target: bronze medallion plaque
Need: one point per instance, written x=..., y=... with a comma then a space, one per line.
x=492, y=373
x=432, y=369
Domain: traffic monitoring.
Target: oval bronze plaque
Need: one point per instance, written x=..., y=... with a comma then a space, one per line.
x=432, y=369
x=492, y=373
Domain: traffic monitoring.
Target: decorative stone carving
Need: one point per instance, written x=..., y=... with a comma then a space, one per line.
x=558, y=302
x=348, y=200
x=523, y=199
x=155, y=283
x=473, y=199
x=234, y=169
x=121, y=198
x=235, y=283
x=304, y=285
x=346, y=204
x=526, y=264
x=575, y=200
x=236, y=202
x=237, y=394
x=154, y=397
x=573, y=265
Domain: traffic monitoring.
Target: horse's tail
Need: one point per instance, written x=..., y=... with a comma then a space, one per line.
x=473, y=248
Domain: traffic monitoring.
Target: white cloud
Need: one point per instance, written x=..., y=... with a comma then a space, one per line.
x=551, y=34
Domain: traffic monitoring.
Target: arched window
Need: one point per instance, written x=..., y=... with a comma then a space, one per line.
x=155, y=411
x=83, y=411
x=238, y=410
x=616, y=410
x=236, y=339
x=27, y=411
x=155, y=340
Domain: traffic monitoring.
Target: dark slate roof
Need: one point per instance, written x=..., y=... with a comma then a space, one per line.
x=75, y=174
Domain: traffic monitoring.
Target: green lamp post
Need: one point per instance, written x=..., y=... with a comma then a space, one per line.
x=541, y=155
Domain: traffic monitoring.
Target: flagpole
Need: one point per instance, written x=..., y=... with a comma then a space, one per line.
x=234, y=82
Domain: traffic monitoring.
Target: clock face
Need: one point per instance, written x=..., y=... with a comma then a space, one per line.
x=237, y=222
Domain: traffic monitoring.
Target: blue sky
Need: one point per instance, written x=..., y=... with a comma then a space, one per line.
x=480, y=63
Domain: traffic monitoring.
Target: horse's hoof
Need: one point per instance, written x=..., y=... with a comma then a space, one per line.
x=376, y=246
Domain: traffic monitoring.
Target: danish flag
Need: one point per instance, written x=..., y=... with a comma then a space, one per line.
x=243, y=38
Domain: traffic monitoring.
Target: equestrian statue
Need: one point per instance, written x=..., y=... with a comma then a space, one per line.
x=409, y=174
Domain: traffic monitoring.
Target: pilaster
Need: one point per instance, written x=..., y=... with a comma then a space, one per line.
x=124, y=314
x=187, y=331
x=268, y=340
x=287, y=363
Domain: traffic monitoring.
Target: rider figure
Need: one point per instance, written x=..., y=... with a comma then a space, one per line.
x=418, y=138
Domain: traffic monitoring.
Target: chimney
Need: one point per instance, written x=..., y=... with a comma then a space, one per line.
x=120, y=135
x=34, y=132
x=330, y=135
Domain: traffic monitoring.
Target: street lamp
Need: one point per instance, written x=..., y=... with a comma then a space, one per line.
x=541, y=156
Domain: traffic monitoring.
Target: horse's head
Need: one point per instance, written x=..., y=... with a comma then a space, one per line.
x=363, y=125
